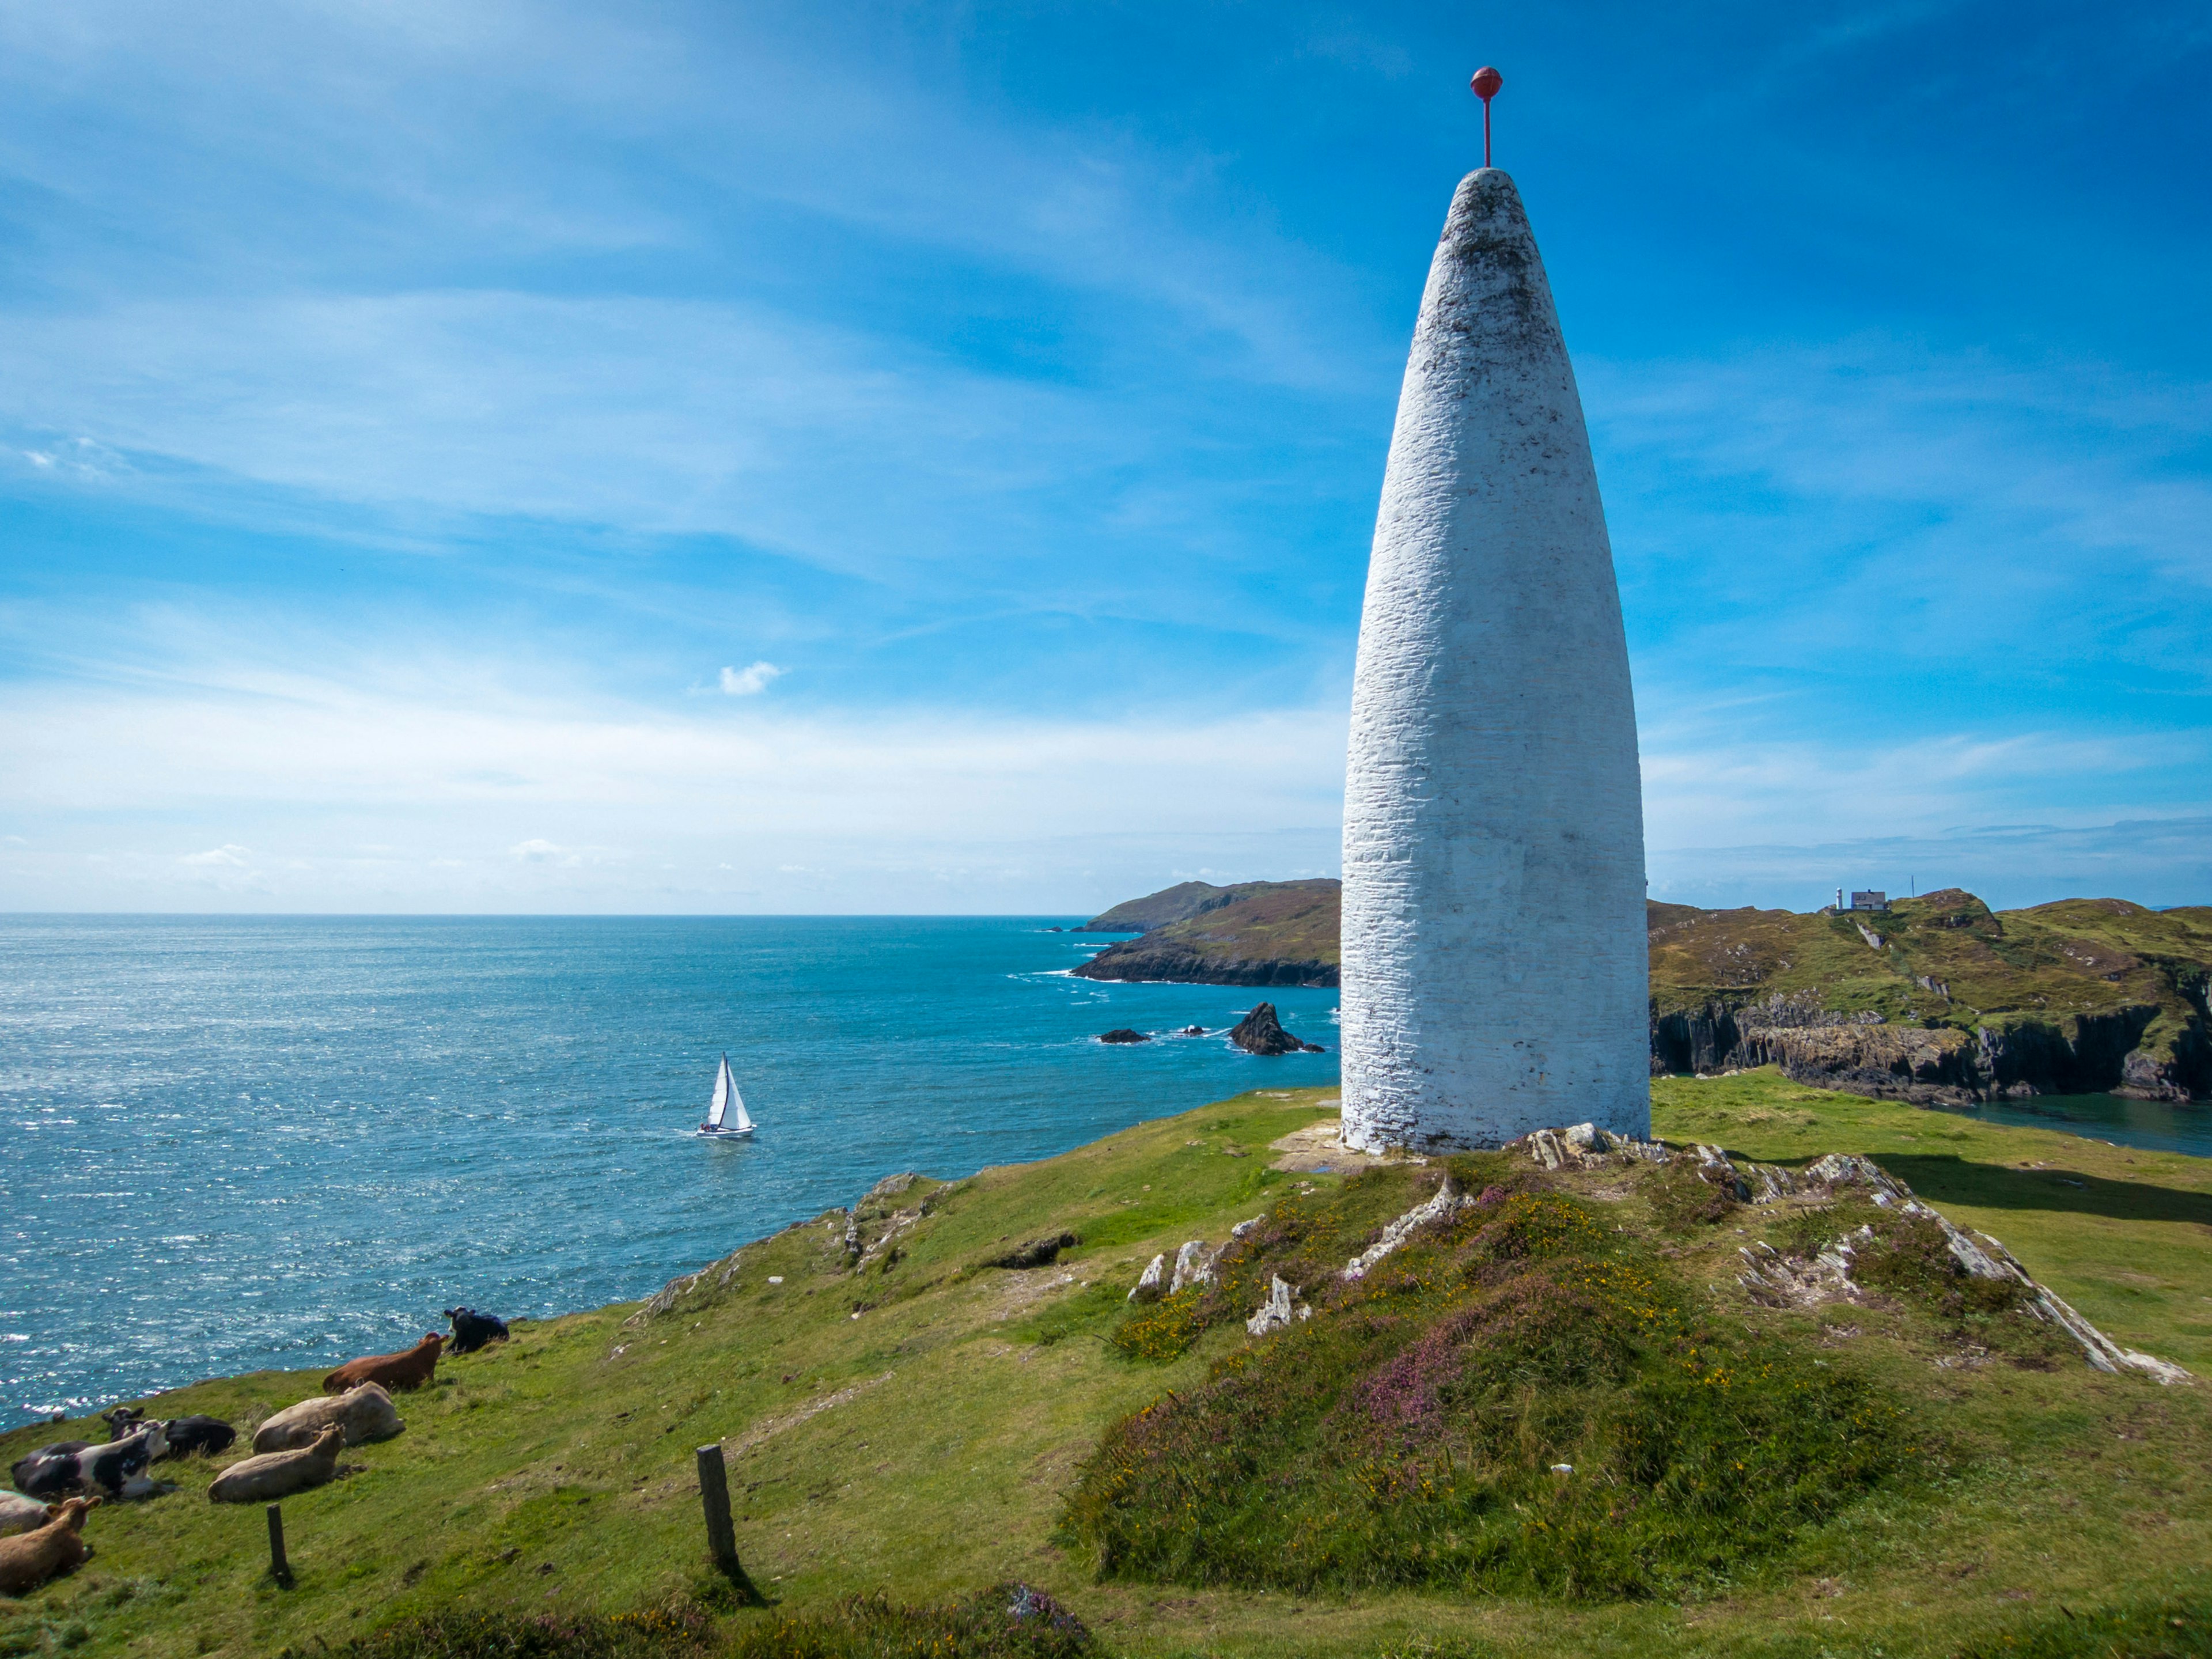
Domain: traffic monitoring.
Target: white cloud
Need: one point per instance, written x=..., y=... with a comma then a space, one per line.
x=228, y=856
x=507, y=801
x=2155, y=861
x=752, y=681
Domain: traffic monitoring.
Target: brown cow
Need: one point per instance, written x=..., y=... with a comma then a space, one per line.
x=410, y=1370
x=27, y=1561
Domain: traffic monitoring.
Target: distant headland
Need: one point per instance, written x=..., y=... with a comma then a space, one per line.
x=1254, y=932
x=1936, y=999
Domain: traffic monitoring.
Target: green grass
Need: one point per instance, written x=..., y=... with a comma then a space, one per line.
x=1525, y=1401
x=928, y=1449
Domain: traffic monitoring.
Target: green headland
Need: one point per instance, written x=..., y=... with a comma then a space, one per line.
x=1554, y=1422
x=1936, y=999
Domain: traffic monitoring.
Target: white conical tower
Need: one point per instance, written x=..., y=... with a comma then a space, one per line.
x=1494, y=943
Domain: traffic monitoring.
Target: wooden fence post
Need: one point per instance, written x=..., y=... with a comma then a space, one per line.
x=721, y=1531
x=715, y=1495
x=279, y=1568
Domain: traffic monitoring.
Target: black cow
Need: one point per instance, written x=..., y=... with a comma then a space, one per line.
x=117, y=1469
x=185, y=1435
x=472, y=1330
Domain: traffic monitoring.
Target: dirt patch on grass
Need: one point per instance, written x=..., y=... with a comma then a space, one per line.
x=1317, y=1149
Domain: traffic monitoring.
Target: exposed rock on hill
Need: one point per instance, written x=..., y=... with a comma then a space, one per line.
x=1258, y=932
x=1940, y=999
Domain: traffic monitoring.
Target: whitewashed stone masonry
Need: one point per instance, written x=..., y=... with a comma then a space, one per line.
x=1494, y=956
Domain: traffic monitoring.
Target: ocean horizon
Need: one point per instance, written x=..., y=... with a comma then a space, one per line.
x=283, y=1141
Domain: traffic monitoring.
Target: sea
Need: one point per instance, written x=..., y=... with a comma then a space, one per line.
x=232, y=1144
x=228, y=1143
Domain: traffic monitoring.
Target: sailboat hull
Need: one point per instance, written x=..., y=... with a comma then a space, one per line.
x=713, y=1133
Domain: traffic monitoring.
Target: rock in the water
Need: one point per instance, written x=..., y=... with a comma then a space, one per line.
x=1037, y=1253
x=1123, y=1033
x=1149, y=1287
x=1260, y=1032
x=1194, y=1030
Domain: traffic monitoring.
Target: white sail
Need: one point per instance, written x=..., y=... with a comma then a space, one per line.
x=744, y=1120
x=726, y=1089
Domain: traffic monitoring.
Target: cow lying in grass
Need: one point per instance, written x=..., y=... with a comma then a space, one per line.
x=278, y=1474
x=21, y=1513
x=365, y=1413
x=27, y=1471
x=28, y=1560
x=472, y=1330
x=410, y=1370
x=118, y=1470
x=185, y=1435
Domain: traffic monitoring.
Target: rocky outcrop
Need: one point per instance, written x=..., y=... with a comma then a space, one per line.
x=1279, y=1309
x=1447, y=1202
x=1193, y=1265
x=1151, y=1284
x=1777, y=1280
x=1260, y=1032
x=1139, y=960
x=1123, y=1033
x=1940, y=999
x=1927, y=1064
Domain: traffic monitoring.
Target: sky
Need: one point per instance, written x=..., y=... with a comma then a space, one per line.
x=908, y=457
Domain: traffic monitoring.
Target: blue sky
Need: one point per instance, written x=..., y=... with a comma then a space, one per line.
x=905, y=457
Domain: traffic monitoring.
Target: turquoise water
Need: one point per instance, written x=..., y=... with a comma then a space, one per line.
x=238, y=1143
x=2150, y=1124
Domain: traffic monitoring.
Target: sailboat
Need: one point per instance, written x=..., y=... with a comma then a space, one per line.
x=728, y=1114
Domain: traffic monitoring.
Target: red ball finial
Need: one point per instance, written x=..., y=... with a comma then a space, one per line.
x=1485, y=83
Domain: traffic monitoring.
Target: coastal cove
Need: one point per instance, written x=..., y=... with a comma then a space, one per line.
x=241, y=1143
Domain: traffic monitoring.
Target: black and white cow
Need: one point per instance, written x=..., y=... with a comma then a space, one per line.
x=185, y=1435
x=472, y=1330
x=32, y=1468
x=115, y=1470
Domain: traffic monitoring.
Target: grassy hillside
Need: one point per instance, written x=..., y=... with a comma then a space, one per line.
x=915, y=1422
x=1190, y=898
x=1280, y=933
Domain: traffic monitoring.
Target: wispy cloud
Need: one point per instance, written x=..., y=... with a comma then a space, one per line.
x=407, y=791
x=750, y=682
x=226, y=857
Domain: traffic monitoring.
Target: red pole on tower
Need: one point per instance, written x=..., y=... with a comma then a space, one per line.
x=1485, y=84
